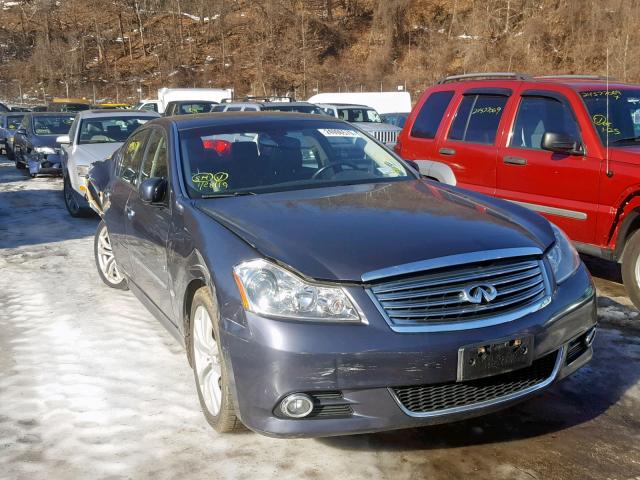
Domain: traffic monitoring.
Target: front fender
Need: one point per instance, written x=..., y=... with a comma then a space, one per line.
x=437, y=170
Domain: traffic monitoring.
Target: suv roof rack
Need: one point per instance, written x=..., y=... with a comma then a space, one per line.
x=485, y=75
x=576, y=77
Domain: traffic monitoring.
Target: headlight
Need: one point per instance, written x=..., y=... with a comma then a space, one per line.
x=44, y=150
x=268, y=289
x=83, y=170
x=563, y=257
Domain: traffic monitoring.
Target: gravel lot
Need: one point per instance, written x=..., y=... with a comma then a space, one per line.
x=91, y=386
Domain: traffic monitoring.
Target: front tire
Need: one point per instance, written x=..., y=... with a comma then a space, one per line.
x=106, y=260
x=71, y=200
x=631, y=268
x=209, y=368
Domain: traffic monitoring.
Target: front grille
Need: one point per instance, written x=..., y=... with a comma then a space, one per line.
x=438, y=296
x=387, y=136
x=434, y=398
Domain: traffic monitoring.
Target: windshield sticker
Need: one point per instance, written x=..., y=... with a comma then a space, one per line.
x=635, y=117
x=337, y=132
x=604, y=124
x=494, y=110
x=214, y=181
x=616, y=94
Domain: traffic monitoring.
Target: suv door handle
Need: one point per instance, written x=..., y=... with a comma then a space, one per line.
x=514, y=160
x=447, y=151
x=130, y=212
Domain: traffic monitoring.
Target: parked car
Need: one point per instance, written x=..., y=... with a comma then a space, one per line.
x=94, y=136
x=365, y=118
x=35, y=144
x=4, y=108
x=112, y=106
x=321, y=287
x=188, y=107
x=398, y=119
x=9, y=123
x=567, y=147
x=68, y=105
x=150, y=105
x=296, y=107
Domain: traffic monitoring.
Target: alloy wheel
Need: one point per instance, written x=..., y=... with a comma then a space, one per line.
x=106, y=259
x=207, y=360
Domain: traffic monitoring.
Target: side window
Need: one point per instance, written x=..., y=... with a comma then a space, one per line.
x=73, y=130
x=155, y=158
x=477, y=119
x=538, y=115
x=430, y=115
x=132, y=158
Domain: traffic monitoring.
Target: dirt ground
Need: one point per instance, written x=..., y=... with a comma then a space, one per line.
x=92, y=387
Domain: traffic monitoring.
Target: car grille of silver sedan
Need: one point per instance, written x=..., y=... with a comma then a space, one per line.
x=464, y=293
x=387, y=136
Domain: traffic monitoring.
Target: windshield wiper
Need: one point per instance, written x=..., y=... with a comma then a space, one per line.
x=225, y=195
x=627, y=139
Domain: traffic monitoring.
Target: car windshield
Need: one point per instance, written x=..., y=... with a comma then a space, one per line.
x=52, y=125
x=359, y=115
x=615, y=114
x=194, y=107
x=294, y=108
x=109, y=129
x=261, y=157
x=13, y=122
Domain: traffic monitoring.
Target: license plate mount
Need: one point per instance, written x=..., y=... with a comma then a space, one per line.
x=495, y=357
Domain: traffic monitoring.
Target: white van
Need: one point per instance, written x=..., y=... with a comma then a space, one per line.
x=166, y=95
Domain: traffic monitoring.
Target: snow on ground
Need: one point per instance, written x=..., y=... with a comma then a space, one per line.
x=92, y=387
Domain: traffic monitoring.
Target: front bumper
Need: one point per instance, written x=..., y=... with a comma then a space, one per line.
x=270, y=359
x=44, y=164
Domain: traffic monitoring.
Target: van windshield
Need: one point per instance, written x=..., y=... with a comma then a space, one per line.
x=615, y=114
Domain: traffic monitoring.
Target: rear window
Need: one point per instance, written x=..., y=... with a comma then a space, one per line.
x=477, y=119
x=430, y=116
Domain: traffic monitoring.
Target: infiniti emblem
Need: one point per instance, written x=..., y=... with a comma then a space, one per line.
x=479, y=293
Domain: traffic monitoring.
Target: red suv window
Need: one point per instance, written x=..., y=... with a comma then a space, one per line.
x=430, y=116
x=477, y=118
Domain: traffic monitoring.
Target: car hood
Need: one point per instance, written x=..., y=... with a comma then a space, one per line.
x=94, y=152
x=340, y=233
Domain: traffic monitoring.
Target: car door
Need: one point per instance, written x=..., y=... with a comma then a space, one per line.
x=19, y=139
x=562, y=187
x=121, y=187
x=148, y=227
x=469, y=146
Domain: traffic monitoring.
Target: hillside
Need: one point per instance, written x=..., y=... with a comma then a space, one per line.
x=290, y=46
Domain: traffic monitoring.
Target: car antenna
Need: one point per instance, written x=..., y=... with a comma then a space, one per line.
x=608, y=171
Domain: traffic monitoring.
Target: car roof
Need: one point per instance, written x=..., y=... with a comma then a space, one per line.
x=103, y=112
x=575, y=82
x=345, y=105
x=287, y=104
x=50, y=114
x=183, y=122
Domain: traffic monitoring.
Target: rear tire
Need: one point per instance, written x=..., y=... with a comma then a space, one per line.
x=209, y=367
x=631, y=268
x=106, y=261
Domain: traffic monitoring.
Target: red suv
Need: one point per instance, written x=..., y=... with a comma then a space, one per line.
x=567, y=147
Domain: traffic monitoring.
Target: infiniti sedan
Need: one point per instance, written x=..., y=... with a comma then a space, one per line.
x=321, y=287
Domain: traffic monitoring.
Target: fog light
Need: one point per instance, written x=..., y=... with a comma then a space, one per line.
x=590, y=336
x=297, y=405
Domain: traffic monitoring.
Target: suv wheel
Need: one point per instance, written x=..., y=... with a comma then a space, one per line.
x=209, y=368
x=72, y=200
x=105, y=259
x=631, y=268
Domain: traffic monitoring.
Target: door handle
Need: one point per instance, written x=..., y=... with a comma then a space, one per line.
x=514, y=160
x=130, y=212
x=447, y=151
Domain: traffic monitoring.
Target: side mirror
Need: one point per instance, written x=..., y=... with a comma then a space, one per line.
x=153, y=190
x=21, y=131
x=63, y=140
x=561, y=143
